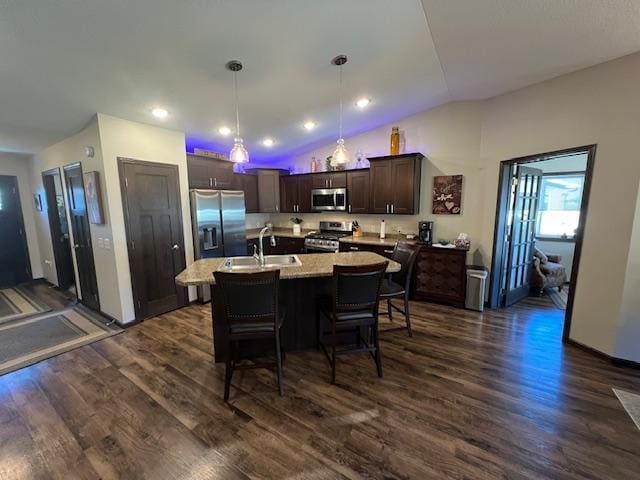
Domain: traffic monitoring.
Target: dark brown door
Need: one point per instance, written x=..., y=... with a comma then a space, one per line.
x=337, y=180
x=81, y=236
x=522, y=236
x=380, y=186
x=288, y=193
x=14, y=256
x=402, y=181
x=153, y=219
x=60, y=240
x=222, y=174
x=358, y=191
x=269, y=191
x=305, y=185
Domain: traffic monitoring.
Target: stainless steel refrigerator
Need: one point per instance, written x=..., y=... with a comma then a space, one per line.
x=218, y=226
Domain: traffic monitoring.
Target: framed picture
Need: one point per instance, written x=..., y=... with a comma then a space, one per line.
x=93, y=194
x=447, y=195
x=37, y=200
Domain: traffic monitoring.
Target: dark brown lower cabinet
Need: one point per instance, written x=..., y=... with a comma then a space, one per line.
x=284, y=245
x=384, y=250
x=440, y=275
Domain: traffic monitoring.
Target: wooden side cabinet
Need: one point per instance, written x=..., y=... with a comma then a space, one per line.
x=394, y=184
x=358, y=191
x=205, y=172
x=269, y=191
x=440, y=275
x=249, y=185
x=295, y=193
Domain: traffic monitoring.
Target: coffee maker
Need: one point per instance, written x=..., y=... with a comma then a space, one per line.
x=425, y=232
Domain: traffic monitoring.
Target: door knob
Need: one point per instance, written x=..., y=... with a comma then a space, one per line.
x=175, y=247
x=76, y=246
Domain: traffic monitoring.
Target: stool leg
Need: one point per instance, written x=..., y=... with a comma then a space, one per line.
x=377, y=345
x=279, y=363
x=407, y=315
x=228, y=372
x=389, y=310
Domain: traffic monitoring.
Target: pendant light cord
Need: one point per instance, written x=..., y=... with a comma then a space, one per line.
x=340, y=123
x=235, y=86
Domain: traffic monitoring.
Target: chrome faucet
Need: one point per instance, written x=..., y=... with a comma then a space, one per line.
x=260, y=254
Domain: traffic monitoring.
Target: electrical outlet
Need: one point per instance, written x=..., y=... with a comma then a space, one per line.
x=107, y=244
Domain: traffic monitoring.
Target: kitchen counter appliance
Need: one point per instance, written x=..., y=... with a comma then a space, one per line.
x=326, y=240
x=218, y=220
x=329, y=199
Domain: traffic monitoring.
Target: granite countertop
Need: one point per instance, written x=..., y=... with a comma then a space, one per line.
x=313, y=265
x=253, y=233
x=374, y=239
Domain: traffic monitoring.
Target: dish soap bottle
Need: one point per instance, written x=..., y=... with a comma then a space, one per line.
x=395, y=141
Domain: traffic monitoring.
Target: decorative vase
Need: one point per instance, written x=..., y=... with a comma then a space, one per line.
x=394, y=148
x=296, y=229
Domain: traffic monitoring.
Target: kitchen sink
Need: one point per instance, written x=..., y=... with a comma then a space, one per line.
x=270, y=261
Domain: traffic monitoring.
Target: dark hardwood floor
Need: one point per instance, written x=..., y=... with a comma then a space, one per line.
x=473, y=396
x=51, y=295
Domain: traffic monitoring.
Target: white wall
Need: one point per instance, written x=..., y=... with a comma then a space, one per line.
x=449, y=136
x=19, y=166
x=598, y=105
x=122, y=138
x=71, y=150
x=628, y=337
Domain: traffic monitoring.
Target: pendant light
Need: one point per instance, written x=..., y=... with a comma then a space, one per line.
x=340, y=154
x=238, y=153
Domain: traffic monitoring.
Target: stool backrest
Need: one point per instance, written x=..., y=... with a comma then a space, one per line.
x=357, y=288
x=405, y=254
x=249, y=297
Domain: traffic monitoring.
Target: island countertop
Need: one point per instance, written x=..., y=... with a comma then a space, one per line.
x=313, y=265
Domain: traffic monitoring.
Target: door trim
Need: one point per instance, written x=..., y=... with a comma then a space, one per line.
x=122, y=162
x=25, y=244
x=501, y=205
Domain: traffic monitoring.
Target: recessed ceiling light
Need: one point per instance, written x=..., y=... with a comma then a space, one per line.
x=363, y=102
x=267, y=142
x=309, y=125
x=159, y=113
x=224, y=131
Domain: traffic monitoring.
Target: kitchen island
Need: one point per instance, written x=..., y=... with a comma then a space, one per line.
x=299, y=289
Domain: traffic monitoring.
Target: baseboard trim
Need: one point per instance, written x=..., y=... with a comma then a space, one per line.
x=618, y=362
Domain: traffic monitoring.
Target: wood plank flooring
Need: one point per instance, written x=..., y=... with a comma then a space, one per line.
x=470, y=396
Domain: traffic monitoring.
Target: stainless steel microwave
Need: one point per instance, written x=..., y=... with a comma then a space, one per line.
x=331, y=199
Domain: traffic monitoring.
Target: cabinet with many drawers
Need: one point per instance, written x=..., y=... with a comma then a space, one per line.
x=440, y=275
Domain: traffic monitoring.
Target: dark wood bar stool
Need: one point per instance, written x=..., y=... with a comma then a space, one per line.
x=251, y=312
x=398, y=285
x=352, y=308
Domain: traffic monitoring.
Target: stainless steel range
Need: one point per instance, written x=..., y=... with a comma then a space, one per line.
x=328, y=237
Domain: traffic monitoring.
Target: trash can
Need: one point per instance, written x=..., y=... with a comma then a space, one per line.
x=476, y=281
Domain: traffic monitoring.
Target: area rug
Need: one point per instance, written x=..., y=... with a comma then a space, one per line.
x=17, y=303
x=631, y=403
x=559, y=299
x=29, y=340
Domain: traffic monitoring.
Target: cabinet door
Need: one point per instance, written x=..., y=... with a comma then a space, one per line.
x=305, y=185
x=380, y=187
x=222, y=174
x=403, y=186
x=249, y=185
x=198, y=171
x=320, y=180
x=352, y=247
x=288, y=193
x=358, y=191
x=269, y=191
x=337, y=180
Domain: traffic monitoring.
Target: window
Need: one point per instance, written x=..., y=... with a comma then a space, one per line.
x=559, y=208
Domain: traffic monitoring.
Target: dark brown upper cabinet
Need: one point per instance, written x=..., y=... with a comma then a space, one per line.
x=207, y=172
x=269, y=190
x=295, y=193
x=358, y=191
x=394, y=184
x=249, y=185
x=329, y=180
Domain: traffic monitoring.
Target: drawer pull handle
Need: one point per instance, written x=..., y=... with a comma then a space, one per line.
x=388, y=251
x=354, y=248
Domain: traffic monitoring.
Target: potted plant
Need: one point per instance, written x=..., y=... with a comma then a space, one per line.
x=296, y=225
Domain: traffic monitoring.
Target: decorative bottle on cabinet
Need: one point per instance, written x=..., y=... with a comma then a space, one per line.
x=395, y=141
x=314, y=165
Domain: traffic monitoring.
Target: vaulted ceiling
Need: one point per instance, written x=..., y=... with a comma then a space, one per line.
x=63, y=61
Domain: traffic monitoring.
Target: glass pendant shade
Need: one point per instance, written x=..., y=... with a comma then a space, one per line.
x=238, y=153
x=340, y=154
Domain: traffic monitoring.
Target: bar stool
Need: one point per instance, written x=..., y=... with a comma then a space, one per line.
x=398, y=285
x=352, y=307
x=251, y=312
